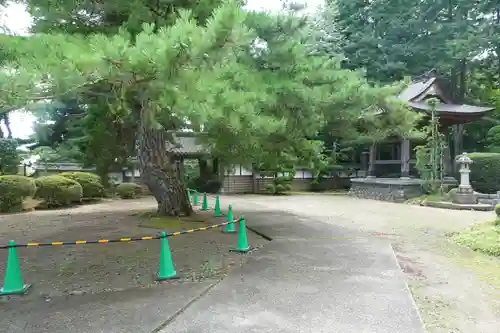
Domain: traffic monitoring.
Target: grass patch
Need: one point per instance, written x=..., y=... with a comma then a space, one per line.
x=172, y=223
x=482, y=237
x=486, y=268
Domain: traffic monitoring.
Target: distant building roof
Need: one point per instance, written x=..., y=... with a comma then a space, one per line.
x=60, y=166
x=429, y=86
x=187, y=144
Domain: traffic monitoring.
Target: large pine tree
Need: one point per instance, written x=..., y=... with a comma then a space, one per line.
x=250, y=82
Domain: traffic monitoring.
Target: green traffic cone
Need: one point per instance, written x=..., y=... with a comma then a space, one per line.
x=166, y=271
x=204, y=204
x=13, y=282
x=195, y=198
x=217, y=207
x=242, y=245
x=229, y=227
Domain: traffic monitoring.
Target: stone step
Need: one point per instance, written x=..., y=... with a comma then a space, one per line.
x=491, y=202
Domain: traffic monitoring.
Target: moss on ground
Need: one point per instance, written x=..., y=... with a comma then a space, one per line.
x=482, y=237
x=172, y=223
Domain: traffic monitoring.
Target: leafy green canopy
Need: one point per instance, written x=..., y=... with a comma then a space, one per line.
x=392, y=39
x=249, y=81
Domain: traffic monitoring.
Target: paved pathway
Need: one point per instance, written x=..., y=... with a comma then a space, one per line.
x=312, y=277
x=457, y=290
x=325, y=271
x=362, y=214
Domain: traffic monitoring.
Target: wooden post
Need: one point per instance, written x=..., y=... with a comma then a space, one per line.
x=371, y=161
x=405, y=158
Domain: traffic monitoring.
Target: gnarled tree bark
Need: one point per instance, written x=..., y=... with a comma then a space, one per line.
x=158, y=172
x=6, y=122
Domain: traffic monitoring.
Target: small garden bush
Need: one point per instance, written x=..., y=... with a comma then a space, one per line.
x=91, y=184
x=497, y=212
x=129, y=190
x=485, y=172
x=205, y=185
x=280, y=185
x=57, y=191
x=13, y=190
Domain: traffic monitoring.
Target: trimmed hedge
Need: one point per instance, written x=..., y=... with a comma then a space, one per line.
x=485, y=172
x=57, y=191
x=91, y=184
x=129, y=190
x=205, y=185
x=13, y=190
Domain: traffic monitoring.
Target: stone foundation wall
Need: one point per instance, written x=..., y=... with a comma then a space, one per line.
x=489, y=199
x=394, y=190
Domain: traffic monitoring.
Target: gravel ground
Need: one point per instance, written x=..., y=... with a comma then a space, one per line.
x=81, y=269
x=456, y=290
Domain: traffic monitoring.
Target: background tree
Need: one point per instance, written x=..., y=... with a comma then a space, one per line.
x=250, y=83
x=9, y=157
x=392, y=39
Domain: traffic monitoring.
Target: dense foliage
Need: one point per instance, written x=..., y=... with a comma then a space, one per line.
x=129, y=190
x=429, y=156
x=460, y=39
x=259, y=86
x=485, y=172
x=91, y=184
x=13, y=190
x=273, y=91
x=9, y=156
x=57, y=191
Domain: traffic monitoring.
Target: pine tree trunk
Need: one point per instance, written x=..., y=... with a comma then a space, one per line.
x=6, y=122
x=158, y=173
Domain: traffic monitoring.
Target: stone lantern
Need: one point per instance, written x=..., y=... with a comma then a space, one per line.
x=465, y=193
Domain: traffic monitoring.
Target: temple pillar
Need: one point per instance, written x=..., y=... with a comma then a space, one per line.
x=447, y=162
x=371, y=161
x=405, y=158
x=364, y=162
x=458, y=137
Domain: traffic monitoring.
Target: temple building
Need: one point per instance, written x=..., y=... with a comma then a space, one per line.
x=391, y=174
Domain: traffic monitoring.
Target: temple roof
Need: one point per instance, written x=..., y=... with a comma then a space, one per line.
x=429, y=86
x=451, y=108
x=187, y=144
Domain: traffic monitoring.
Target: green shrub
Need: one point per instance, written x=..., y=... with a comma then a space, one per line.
x=91, y=183
x=9, y=156
x=202, y=184
x=13, y=190
x=57, y=191
x=280, y=185
x=485, y=172
x=497, y=210
x=129, y=190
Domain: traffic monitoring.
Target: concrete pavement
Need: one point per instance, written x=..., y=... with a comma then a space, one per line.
x=128, y=311
x=313, y=277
